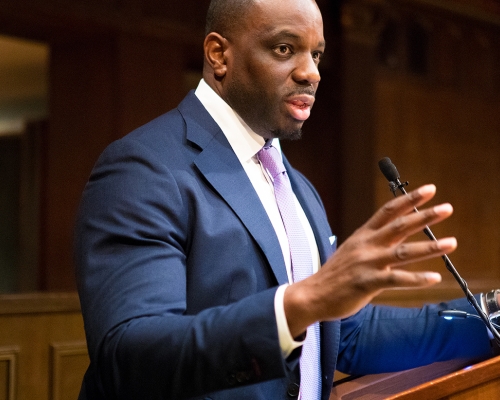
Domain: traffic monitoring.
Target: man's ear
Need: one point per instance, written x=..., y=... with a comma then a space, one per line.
x=215, y=47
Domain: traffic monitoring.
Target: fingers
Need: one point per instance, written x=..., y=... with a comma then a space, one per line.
x=410, y=252
x=369, y=260
x=395, y=279
x=396, y=220
x=403, y=279
x=404, y=226
x=401, y=205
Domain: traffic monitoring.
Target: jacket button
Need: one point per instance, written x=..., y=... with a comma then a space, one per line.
x=293, y=390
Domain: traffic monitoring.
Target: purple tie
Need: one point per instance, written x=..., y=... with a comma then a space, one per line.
x=310, y=368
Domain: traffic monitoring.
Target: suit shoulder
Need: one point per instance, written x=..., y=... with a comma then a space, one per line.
x=168, y=125
x=158, y=138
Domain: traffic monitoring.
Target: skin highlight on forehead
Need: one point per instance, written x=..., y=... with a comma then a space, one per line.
x=227, y=17
x=266, y=19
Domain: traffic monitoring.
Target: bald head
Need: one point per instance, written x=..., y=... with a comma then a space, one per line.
x=224, y=16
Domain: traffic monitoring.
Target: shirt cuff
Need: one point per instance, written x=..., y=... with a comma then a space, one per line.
x=287, y=342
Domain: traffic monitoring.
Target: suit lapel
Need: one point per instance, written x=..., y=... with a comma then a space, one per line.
x=218, y=163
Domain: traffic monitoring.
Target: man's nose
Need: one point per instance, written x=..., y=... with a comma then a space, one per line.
x=307, y=71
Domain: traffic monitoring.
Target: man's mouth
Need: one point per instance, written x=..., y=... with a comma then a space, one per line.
x=300, y=106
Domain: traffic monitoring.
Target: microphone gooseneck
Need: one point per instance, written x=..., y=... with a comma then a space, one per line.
x=391, y=173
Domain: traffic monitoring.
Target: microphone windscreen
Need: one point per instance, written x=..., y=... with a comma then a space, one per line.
x=388, y=169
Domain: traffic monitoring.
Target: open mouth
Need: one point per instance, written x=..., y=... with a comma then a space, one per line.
x=300, y=107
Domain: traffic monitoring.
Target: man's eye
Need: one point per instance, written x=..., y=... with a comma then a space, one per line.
x=317, y=56
x=283, y=50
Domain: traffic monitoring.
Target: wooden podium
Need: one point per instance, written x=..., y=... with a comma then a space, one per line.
x=450, y=380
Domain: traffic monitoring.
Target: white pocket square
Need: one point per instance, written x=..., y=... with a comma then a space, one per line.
x=333, y=240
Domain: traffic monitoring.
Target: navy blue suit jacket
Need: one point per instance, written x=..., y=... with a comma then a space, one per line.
x=177, y=268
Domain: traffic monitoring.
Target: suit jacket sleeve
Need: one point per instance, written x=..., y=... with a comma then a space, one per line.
x=157, y=325
x=386, y=339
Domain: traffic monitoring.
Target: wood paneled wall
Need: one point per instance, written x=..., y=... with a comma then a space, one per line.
x=43, y=352
x=113, y=66
x=428, y=97
x=101, y=88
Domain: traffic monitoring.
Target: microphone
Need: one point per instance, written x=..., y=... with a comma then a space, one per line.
x=388, y=169
x=392, y=175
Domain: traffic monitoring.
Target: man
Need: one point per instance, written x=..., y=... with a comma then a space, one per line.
x=185, y=259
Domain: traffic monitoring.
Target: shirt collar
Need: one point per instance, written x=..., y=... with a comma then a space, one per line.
x=243, y=140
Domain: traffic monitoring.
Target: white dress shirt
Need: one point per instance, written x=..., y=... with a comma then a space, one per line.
x=246, y=144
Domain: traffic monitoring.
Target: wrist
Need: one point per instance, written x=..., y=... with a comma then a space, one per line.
x=297, y=313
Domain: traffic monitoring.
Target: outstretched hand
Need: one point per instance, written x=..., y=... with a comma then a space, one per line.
x=370, y=261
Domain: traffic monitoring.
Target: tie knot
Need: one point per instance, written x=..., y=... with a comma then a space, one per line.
x=270, y=158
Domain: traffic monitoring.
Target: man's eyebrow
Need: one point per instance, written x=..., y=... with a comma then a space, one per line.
x=286, y=34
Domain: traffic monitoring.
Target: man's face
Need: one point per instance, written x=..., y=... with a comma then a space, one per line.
x=272, y=66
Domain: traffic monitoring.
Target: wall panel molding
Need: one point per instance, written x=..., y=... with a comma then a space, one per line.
x=42, y=347
x=8, y=372
x=29, y=303
x=69, y=360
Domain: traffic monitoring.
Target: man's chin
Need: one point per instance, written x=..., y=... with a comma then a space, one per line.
x=288, y=134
